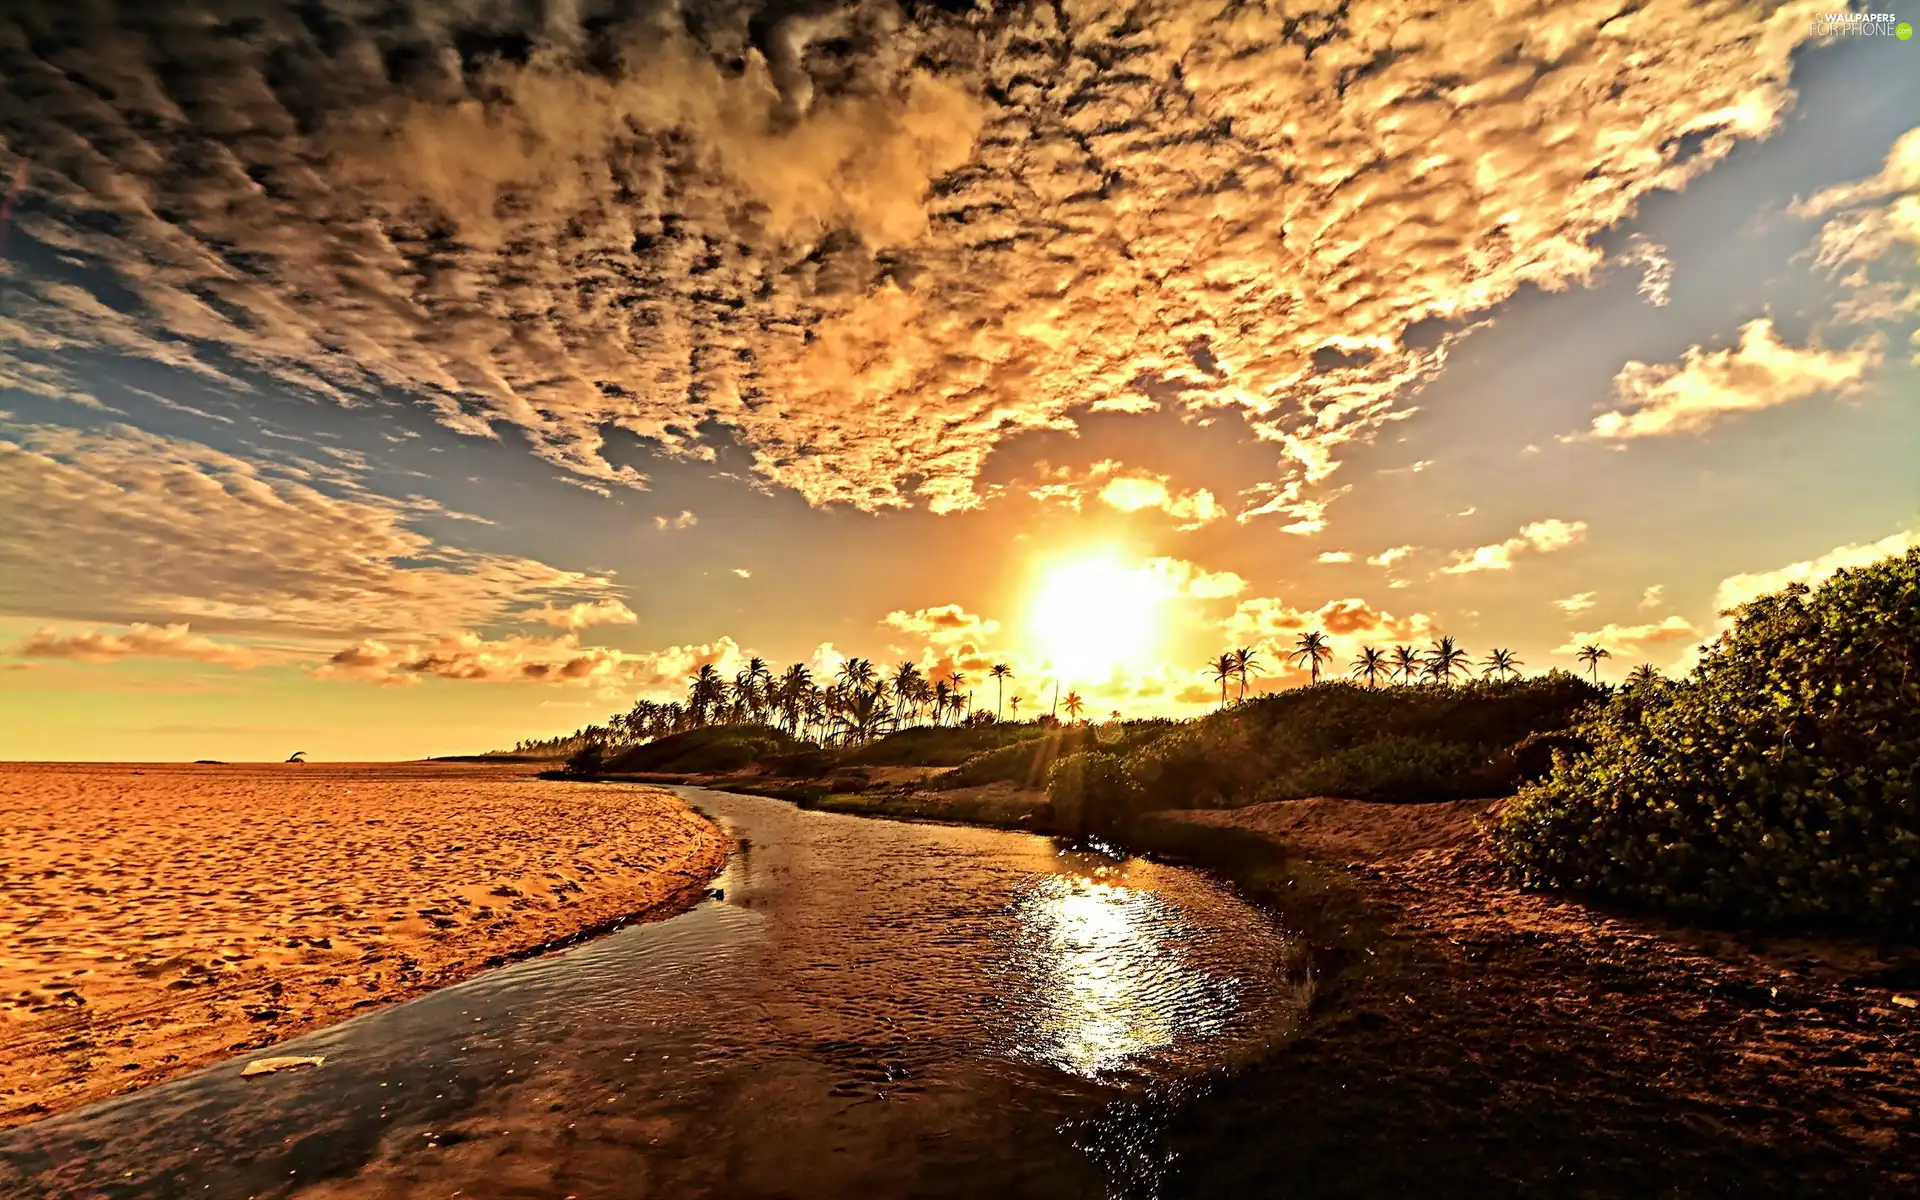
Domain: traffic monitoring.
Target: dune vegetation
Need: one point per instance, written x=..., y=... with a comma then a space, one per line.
x=1774, y=783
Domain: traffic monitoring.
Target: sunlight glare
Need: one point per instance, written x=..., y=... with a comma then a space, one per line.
x=1094, y=613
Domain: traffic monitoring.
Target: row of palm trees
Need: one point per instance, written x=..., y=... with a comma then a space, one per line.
x=860, y=702
x=1439, y=663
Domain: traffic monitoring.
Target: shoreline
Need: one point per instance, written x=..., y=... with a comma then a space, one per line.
x=1469, y=1037
x=169, y=916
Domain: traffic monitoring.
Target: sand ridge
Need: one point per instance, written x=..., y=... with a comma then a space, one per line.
x=157, y=917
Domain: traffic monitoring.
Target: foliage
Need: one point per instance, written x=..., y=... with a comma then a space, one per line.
x=1089, y=792
x=587, y=762
x=1388, y=768
x=938, y=746
x=1025, y=763
x=1344, y=739
x=703, y=751
x=1776, y=784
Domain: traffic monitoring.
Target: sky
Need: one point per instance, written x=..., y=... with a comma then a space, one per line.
x=384, y=378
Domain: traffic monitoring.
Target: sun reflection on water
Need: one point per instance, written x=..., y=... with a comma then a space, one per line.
x=1112, y=973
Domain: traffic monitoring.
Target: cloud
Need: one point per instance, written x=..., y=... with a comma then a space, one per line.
x=951, y=638
x=1272, y=625
x=1178, y=577
x=1634, y=639
x=1875, y=223
x=1390, y=556
x=119, y=526
x=1653, y=596
x=1334, y=556
x=1708, y=386
x=1736, y=590
x=583, y=615
x=1541, y=537
x=1127, y=489
x=869, y=246
x=1656, y=269
x=468, y=657
x=1579, y=602
x=686, y=520
x=138, y=641
x=743, y=573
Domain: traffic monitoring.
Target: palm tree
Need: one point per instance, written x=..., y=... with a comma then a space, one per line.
x=1224, y=668
x=1313, y=650
x=906, y=682
x=1114, y=715
x=1444, y=659
x=1406, y=663
x=1015, y=705
x=1371, y=664
x=1643, y=676
x=857, y=673
x=940, y=693
x=1591, y=655
x=1501, y=663
x=1243, y=664
x=957, y=687
x=705, y=692
x=1000, y=673
x=1073, y=705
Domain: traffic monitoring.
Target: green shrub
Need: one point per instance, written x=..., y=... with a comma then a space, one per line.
x=1776, y=784
x=1092, y=793
x=586, y=762
x=1390, y=768
x=1025, y=763
x=938, y=746
x=705, y=751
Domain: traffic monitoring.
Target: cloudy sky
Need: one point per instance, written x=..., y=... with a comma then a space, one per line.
x=383, y=378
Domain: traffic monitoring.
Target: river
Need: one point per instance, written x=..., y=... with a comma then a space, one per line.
x=861, y=1008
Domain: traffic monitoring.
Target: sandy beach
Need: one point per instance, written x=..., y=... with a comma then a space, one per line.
x=158, y=917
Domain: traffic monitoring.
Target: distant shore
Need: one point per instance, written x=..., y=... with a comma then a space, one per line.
x=160, y=917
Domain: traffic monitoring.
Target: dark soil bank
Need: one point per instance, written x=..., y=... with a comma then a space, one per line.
x=1473, y=1039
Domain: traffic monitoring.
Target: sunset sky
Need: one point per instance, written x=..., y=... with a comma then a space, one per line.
x=391, y=379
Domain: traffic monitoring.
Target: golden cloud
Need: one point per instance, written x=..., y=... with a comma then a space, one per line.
x=871, y=246
x=1540, y=537
x=1708, y=386
x=138, y=641
x=1736, y=590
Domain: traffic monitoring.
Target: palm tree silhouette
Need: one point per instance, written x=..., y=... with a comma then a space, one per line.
x=957, y=687
x=1591, y=655
x=1444, y=659
x=1223, y=668
x=1244, y=664
x=706, y=692
x=1406, y=663
x=1073, y=704
x=1313, y=650
x=1371, y=664
x=906, y=682
x=1643, y=676
x=1114, y=715
x=1015, y=705
x=1000, y=673
x=1502, y=663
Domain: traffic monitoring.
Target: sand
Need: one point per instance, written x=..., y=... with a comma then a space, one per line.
x=155, y=918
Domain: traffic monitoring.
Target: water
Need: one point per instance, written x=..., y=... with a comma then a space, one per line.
x=865, y=1008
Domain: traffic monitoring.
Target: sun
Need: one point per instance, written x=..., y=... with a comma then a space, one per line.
x=1093, y=613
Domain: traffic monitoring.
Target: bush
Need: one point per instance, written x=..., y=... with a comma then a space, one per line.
x=938, y=746
x=1025, y=763
x=1092, y=793
x=1390, y=768
x=1776, y=784
x=706, y=751
x=586, y=762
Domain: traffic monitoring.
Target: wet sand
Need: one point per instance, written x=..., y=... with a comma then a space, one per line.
x=158, y=917
x=1538, y=1044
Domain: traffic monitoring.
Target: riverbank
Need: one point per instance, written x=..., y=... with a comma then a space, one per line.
x=159, y=917
x=1473, y=1038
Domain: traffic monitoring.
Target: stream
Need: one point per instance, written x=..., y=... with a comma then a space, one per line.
x=860, y=1008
